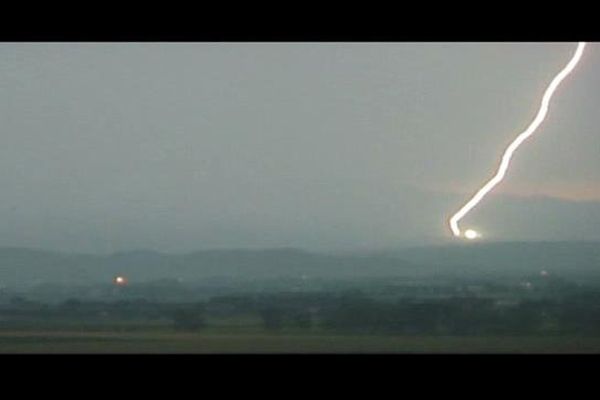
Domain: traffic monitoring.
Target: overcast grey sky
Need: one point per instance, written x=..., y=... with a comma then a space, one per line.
x=178, y=147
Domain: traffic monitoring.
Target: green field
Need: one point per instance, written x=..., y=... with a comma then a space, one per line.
x=155, y=342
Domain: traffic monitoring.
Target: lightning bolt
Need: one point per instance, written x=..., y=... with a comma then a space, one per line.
x=508, y=153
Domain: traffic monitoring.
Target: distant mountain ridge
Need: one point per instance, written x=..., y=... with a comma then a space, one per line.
x=574, y=259
x=20, y=266
x=26, y=267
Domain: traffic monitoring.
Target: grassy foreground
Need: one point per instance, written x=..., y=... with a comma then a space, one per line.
x=153, y=342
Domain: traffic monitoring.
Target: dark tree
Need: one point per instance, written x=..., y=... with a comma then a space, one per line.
x=189, y=319
x=302, y=319
x=272, y=318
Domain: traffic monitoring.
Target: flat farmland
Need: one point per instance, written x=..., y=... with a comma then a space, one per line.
x=160, y=342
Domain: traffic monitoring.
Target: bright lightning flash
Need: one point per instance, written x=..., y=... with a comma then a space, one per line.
x=508, y=153
x=471, y=234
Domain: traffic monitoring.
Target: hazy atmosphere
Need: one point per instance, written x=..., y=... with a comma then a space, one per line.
x=320, y=146
x=295, y=197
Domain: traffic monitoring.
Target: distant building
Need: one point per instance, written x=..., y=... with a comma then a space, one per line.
x=120, y=280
